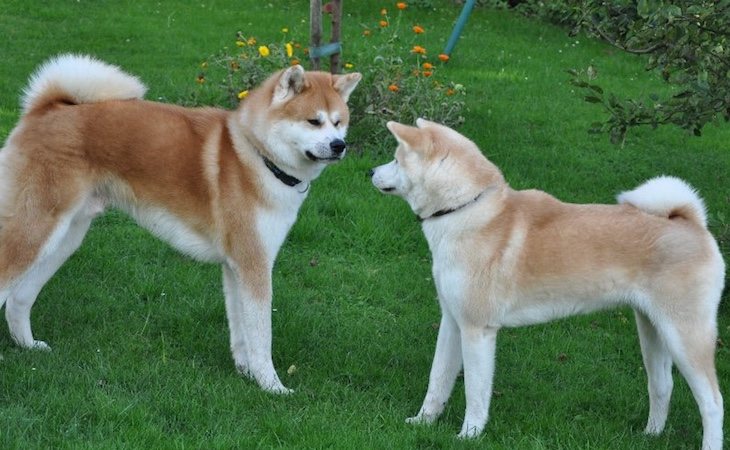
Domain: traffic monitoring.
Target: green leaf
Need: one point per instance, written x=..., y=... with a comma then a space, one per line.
x=596, y=88
x=592, y=99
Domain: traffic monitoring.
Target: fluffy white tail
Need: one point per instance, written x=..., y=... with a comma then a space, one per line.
x=667, y=197
x=79, y=79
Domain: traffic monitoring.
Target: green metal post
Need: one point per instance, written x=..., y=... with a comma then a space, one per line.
x=460, y=22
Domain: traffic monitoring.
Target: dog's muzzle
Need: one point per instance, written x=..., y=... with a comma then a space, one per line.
x=337, y=149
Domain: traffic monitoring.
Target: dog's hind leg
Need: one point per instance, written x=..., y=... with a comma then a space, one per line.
x=692, y=345
x=658, y=364
x=61, y=242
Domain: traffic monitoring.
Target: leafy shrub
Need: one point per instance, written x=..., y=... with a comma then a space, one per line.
x=686, y=41
x=226, y=78
x=400, y=80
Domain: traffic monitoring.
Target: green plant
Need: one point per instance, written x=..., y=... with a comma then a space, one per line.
x=227, y=76
x=401, y=80
x=687, y=42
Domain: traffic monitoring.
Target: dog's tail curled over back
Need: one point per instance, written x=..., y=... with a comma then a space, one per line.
x=75, y=79
x=668, y=197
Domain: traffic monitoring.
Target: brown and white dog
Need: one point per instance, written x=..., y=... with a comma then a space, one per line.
x=505, y=258
x=220, y=186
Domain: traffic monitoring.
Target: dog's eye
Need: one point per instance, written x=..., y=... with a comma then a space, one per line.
x=315, y=122
x=337, y=124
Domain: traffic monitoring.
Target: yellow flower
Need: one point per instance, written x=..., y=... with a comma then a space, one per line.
x=240, y=43
x=349, y=65
x=289, y=50
x=383, y=12
x=251, y=41
x=204, y=65
x=264, y=51
x=242, y=95
x=285, y=30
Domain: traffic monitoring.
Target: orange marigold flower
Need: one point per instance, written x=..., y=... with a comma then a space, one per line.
x=383, y=12
x=443, y=57
x=427, y=73
x=393, y=88
x=383, y=23
x=366, y=32
x=418, y=49
x=418, y=29
x=401, y=5
x=450, y=91
x=427, y=66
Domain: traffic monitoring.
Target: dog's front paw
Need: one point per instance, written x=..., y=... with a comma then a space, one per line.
x=422, y=419
x=279, y=390
x=469, y=431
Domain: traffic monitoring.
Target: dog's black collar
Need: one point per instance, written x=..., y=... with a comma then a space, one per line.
x=281, y=175
x=443, y=212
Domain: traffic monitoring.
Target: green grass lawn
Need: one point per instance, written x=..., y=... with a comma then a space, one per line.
x=140, y=341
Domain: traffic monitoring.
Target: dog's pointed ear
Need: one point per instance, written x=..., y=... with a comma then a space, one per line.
x=404, y=134
x=423, y=123
x=291, y=82
x=345, y=84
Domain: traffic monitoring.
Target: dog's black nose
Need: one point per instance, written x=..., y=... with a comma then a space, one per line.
x=371, y=172
x=338, y=146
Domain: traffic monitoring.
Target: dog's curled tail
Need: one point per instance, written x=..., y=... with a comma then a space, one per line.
x=667, y=197
x=76, y=79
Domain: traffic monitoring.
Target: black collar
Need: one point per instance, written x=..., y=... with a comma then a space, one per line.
x=280, y=174
x=443, y=212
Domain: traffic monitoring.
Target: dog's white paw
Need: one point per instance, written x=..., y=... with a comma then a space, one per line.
x=40, y=345
x=469, y=432
x=653, y=429
x=422, y=419
x=280, y=390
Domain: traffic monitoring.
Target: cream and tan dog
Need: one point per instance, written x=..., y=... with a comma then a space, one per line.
x=505, y=258
x=220, y=186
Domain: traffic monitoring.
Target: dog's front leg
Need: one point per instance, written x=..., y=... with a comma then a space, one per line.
x=478, y=346
x=248, y=308
x=445, y=368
